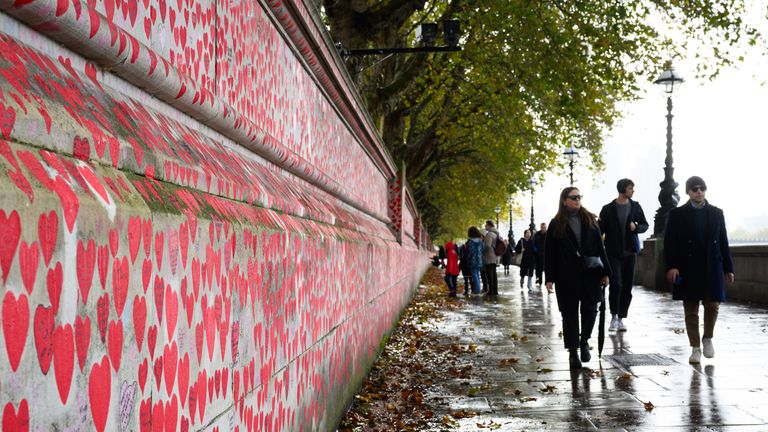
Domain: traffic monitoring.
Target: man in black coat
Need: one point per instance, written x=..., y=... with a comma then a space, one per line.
x=621, y=221
x=539, y=240
x=699, y=263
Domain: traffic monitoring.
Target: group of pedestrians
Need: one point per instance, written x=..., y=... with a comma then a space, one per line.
x=580, y=254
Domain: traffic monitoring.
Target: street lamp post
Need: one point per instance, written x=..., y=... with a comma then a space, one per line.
x=511, y=234
x=668, y=196
x=571, y=154
x=498, y=210
x=532, y=183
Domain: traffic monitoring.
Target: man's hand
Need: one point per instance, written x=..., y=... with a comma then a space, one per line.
x=672, y=275
x=604, y=281
x=729, y=278
x=632, y=226
x=549, y=287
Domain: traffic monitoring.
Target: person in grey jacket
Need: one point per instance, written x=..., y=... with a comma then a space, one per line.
x=621, y=220
x=490, y=258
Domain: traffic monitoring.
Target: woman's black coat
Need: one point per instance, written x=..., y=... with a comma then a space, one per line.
x=564, y=266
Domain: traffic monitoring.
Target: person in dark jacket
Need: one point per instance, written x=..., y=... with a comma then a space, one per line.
x=528, y=261
x=506, y=258
x=475, y=244
x=465, y=264
x=699, y=263
x=576, y=264
x=539, y=239
x=621, y=221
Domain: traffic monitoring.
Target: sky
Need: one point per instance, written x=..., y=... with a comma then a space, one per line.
x=719, y=132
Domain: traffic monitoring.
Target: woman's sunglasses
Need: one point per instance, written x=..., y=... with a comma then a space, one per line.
x=574, y=197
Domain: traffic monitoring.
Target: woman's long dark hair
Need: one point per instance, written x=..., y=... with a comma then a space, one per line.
x=588, y=219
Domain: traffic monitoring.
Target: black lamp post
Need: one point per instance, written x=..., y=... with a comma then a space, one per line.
x=532, y=183
x=498, y=210
x=668, y=196
x=571, y=154
x=511, y=234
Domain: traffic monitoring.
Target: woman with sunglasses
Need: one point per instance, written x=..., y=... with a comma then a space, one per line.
x=576, y=264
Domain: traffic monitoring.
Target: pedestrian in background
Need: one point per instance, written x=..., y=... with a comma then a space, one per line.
x=465, y=264
x=489, y=257
x=475, y=245
x=539, y=240
x=621, y=220
x=528, y=262
x=451, y=267
x=699, y=263
x=576, y=264
x=506, y=259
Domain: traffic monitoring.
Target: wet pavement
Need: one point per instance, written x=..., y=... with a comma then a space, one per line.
x=520, y=377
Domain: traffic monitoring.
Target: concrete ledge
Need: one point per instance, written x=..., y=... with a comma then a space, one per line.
x=750, y=266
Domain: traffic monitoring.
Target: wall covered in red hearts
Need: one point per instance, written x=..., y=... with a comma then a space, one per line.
x=198, y=229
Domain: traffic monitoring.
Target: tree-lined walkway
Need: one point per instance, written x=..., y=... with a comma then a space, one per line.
x=508, y=371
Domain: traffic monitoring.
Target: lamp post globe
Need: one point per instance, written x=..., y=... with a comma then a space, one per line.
x=532, y=183
x=571, y=154
x=668, y=196
x=498, y=210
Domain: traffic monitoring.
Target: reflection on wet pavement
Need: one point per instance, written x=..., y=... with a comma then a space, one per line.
x=521, y=379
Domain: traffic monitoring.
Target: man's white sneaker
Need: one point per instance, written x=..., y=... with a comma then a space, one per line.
x=621, y=325
x=708, y=348
x=695, y=355
x=614, y=324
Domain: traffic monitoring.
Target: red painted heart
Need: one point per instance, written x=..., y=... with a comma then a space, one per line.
x=115, y=338
x=10, y=232
x=82, y=339
x=114, y=242
x=64, y=360
x=151, y=340
x=157, y=368
x=120, y=280
x=99, y=393
x=171, y=414
x=15, y=320
x=145, y=415
x=183, y=378
x=102, y=260
x=29, y=258
x=170, y=362
x=102, y=316
x=171, y=311
x=134, y=237
x=44, y=323
x=53, y=282
x=146, y=273
x=16, y=421
x=143, y=369
x=86, y=260
x=139, y=319
x=159, y=292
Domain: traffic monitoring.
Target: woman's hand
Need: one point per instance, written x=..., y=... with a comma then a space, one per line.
x=604, y=281
x=549, y=287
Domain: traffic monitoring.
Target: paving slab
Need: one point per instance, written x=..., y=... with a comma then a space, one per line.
x=521, y=380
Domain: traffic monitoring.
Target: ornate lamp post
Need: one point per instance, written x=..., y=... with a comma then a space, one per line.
x=511, y=234
x=571, y=154
x=532, y=183
x=668, y=196
x=498, y=210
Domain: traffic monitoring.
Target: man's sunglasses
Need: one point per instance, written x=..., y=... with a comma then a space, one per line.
x=574, y=197
x=699, y=188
